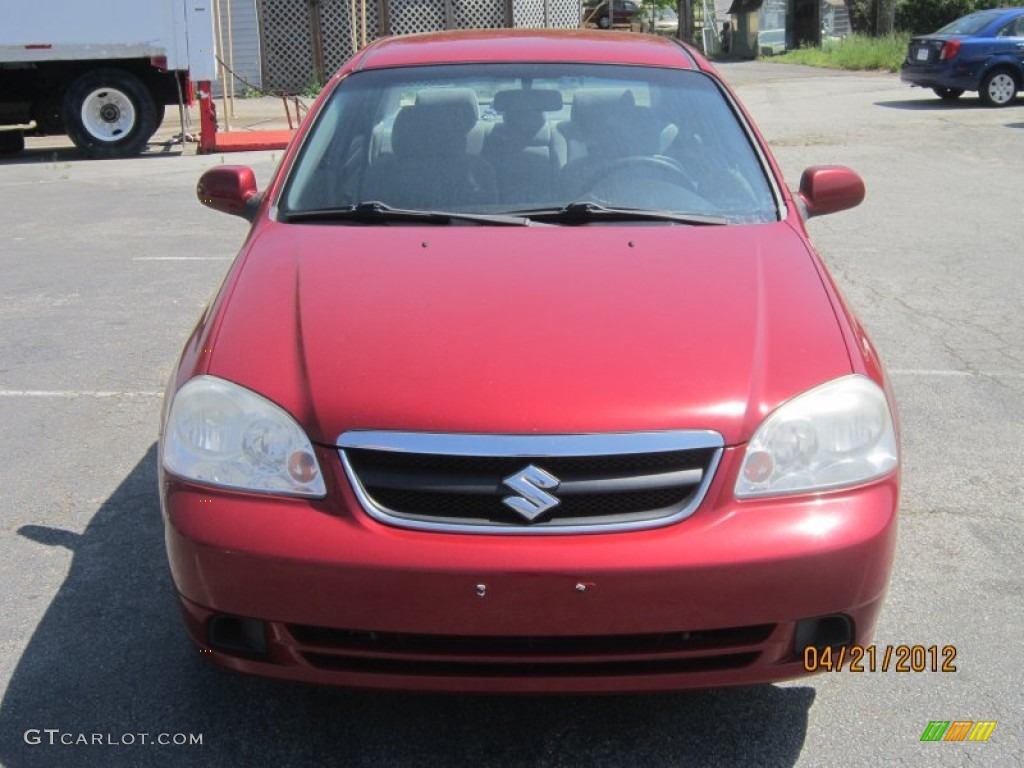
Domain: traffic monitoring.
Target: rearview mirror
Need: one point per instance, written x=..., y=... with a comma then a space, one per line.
x=229, y=189
x=830, y=188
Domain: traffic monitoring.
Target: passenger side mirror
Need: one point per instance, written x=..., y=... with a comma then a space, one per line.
x=829, y=188
x=229, y=189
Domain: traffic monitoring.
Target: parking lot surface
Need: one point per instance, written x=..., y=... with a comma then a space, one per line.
x=104, y=268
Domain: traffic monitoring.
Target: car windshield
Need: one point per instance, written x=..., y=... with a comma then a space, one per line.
x=969, y=25
x=529, y=139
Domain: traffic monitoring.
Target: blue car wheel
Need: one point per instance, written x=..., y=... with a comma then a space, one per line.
x=998, y=88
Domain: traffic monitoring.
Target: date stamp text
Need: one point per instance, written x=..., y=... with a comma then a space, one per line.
x=881, y=658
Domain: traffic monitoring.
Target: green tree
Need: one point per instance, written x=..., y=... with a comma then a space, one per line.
x=885, y=17
x=921, y=16
x=873, y=17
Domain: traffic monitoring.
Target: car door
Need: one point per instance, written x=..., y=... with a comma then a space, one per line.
x=1010, y=41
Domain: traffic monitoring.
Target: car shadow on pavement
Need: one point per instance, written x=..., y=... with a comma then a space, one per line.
x=109, y=661
x=934, y=105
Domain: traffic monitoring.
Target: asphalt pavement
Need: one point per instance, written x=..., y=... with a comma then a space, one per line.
x=104, y=268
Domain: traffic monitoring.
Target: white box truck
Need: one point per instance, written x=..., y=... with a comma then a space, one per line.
x=100, y=71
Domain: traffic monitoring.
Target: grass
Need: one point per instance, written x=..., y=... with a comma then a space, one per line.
x=854, y=52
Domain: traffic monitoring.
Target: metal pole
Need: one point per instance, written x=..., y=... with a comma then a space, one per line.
x=219, y=32
x=362, y=23
x=317, y=39
x=352, y=26
x=231, y=58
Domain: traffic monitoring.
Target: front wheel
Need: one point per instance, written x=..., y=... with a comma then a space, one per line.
x=604, y=22
x=949, y=94
x=998, y=88
x=109, y=113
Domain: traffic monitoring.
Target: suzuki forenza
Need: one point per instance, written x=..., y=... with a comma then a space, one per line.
x=528, y=379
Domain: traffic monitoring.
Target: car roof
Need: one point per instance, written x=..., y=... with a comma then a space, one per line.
x=527, y=45
x=995, y=14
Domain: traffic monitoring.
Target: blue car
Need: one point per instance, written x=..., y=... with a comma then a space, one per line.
x=981, y=52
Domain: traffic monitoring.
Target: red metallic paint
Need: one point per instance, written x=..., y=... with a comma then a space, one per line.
x=493, y=45
x=735, y=563
x=228, y=189
x=646, y=327
x=285, y=662
x=830, y=189
x=707, y=328
x=325, y=563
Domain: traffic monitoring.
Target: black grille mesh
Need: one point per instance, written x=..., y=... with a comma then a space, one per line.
x=489, y=507
x=398, y=481
x=503, y=466
x=483, y=656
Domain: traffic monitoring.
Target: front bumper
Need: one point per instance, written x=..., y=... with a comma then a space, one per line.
x=711, y=601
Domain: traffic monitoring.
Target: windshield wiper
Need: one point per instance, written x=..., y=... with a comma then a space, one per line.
x=586, y=211
x=377, y=212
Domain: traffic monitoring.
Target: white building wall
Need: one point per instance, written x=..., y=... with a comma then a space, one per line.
x=244, y=52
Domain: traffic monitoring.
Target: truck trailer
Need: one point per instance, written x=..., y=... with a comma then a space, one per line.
x=100, y=72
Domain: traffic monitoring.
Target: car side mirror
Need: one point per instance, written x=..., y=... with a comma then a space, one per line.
x=229, y=189
x=830, y=188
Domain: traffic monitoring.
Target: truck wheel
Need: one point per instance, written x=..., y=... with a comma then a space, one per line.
x=998, y=88
x=11, y=142
x=109, y=113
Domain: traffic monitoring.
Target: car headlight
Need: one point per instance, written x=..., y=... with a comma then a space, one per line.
x=835, y=435
x=219, y=433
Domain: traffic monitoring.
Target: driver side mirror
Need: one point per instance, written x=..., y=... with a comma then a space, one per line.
x=229, y=189
x=828, y=189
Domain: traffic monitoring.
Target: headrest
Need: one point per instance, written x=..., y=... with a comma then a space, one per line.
x=460, y=101
x=611, y=123
x=436, y=125
x=597, y=107
x=527, y=100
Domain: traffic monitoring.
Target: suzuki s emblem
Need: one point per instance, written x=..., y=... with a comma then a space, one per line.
x=532, y=484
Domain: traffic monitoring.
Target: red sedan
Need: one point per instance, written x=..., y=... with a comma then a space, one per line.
x=527, y=378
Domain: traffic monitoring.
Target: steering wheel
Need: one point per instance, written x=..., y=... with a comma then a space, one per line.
x=666, y=167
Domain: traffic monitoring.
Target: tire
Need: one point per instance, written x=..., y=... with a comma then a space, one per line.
x=949, y=94
x=11, y=142
x=604, y=22
x=998, y=88
x=109, y=113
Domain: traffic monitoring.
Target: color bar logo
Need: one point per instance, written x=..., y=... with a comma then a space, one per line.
x=958, y=730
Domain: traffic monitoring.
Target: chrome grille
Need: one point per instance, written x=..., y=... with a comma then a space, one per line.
x=457, y=482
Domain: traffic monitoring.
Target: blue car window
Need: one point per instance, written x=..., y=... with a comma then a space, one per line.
x=970, y=25
x=1014, y=29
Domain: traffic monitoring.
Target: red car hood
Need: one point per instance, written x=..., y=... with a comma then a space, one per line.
x=528, y=330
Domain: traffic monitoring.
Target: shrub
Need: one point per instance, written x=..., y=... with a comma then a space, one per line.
x=854, y=52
